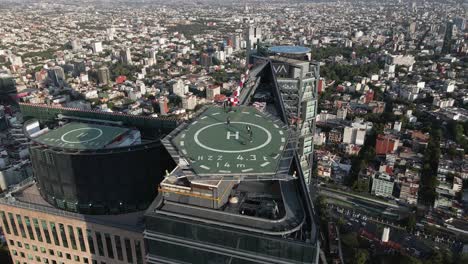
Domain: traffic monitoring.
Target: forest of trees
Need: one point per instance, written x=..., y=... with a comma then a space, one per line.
x=330, y=51
x=343, y=72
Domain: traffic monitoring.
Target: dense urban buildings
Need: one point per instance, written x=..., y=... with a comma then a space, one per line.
x=113, y=117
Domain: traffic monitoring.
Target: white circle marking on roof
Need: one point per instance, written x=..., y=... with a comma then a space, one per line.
x=82, y=141
x=232, y=151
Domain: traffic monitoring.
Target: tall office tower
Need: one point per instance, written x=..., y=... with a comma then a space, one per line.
x=80, y=67
x=104, y=75
x=92, y=182
x=297, y=80
x=110, y=33
x=152, y=56
x=460, y=22
x=97, y=47
x=163, y=105
x=57, y=76
x=206, y=59
x=75, y=44
x=220, y=55
x=254, y=36
x=8, y=89
x=237, y=41
x=126, y=56
x=412, y=28
x=228, y=50
x=237, y=194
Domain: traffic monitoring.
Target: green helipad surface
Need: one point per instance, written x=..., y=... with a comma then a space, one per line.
x=213, y=147
x=81, y=136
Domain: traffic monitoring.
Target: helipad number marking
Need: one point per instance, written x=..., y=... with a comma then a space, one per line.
x=81, y=134
x=232, y=151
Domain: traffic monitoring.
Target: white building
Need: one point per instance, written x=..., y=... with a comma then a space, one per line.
x=407, y=60
x=228, y=50
x=353, y=135
x=91, y=94
x=390, y=68
x=319, y=137
x=397, y=126
x=341, y=113
x=189, y=102
x=134, y=95
x=75, y=43
x=382, y=185
x=141, y=86
x=220, y=55
x=449, y=86
x=212, y=91
x=359, y=123
x=410, y=92
x=97, y=47
x=358, y=34
x=385, y=234
x=254, y=35
x=179, y=88
x=443, y=103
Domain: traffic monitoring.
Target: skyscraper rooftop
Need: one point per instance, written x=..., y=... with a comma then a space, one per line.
x=237, y=192
x=84, y=136
x=252, y=143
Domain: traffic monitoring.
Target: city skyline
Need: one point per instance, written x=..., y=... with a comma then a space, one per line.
x=233, y=132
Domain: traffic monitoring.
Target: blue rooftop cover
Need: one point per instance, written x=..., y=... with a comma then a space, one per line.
x=289, y=49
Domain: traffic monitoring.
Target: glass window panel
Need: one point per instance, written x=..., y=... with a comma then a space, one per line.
x=81, y=239
x=21, y=226
x=63, y=235
x=110, y=251
x=71, y=234
x=99, y=244
x=138, y=252
x=29, y=227
x=53, y=228
x=37, y=228
x=45, y=228
x=90, y=241
x=5, y=222
x=128, y=250
x=118, y=246
x=13, y=224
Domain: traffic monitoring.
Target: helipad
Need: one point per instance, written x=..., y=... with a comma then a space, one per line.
x=81, y=136
x=219, y=142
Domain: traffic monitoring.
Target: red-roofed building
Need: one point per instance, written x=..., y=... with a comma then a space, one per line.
x=369, y=97
x=320, y=86
x=219, y=98
x=386, y=144
x=120, y=79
